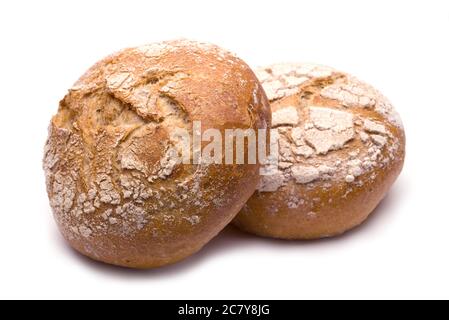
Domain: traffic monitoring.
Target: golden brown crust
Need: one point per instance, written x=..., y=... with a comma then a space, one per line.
x=342, y=146
x=116, y=193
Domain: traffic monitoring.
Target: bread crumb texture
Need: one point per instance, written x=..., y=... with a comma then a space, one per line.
x=110, y=168
x=331, y=128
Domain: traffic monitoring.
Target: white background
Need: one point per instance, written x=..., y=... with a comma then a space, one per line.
x=401, y=47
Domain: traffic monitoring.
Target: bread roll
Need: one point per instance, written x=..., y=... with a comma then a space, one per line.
x=341, y=147
x=117, y=193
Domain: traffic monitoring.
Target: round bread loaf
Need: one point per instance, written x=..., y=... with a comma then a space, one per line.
x=118, y=192
x=341, y=147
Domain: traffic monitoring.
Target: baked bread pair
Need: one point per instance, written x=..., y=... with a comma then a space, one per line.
x=121, y=194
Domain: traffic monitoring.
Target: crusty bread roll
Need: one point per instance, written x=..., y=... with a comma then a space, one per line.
x=117, y=194
x=341, y=147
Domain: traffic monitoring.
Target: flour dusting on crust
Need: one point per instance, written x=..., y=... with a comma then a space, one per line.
x=341, y=129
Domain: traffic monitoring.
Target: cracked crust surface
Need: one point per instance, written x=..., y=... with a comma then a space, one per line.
x=117, y=192
x=342, y=145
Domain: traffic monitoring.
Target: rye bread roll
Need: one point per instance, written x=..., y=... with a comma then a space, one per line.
x=341, y=147
x=117, y=192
